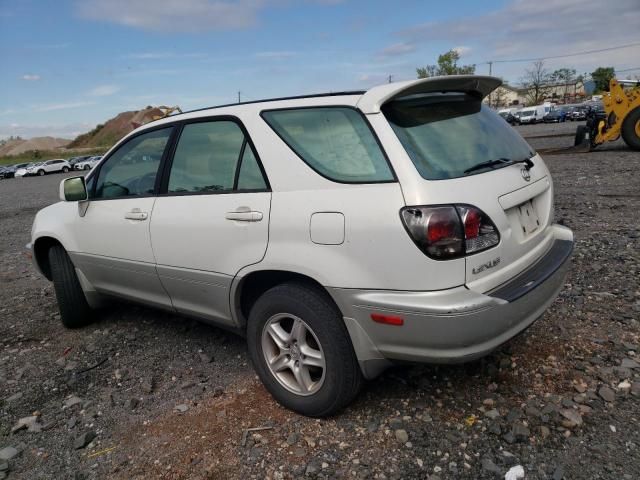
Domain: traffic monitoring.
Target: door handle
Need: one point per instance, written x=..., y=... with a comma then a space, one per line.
x=136, y=214
x=244, y=214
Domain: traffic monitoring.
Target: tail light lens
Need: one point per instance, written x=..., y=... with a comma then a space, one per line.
x=450, y=231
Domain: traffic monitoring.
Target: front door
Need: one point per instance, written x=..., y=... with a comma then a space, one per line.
x=113, y=234
x=212, y=217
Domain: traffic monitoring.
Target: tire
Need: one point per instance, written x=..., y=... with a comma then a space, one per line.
x=335, y=385
x=65, y=170
x=86, y=167
x=75, y=312
x=41, y=172
x=580, y=133
x=631, y=129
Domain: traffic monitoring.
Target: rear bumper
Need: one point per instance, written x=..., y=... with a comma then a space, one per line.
x=454, y=325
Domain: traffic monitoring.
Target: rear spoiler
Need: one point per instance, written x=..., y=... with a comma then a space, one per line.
x=480, y=85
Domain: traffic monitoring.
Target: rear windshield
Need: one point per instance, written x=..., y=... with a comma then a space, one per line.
x=446, y=134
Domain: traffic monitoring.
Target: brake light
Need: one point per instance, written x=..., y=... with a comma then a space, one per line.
x=450, y=231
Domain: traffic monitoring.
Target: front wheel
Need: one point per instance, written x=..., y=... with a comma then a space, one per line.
x=75, y=312
x=65, y=170
x=86, y=167
x=41, y=172
x=301, y=350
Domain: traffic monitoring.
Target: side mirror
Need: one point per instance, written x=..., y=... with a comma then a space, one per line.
x=73, y=189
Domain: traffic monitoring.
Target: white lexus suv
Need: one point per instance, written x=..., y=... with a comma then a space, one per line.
x=339, y=233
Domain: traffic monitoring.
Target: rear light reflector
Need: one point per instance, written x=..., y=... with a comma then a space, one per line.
x=387, y=319
x=450, y=231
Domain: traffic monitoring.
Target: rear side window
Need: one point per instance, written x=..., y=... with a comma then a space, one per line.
x=447, y=134
x=334, y=141
x=213, y=157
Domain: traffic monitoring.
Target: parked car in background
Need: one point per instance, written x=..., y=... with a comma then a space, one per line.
x=22, y=169
x=74, y=160
x=10, y=170
x=510, y=118
x=3, y=171
x=87, y=164
x=555, y=116
x=532, y=114
x=578, y=113
x=339, y=234
x=49, y=166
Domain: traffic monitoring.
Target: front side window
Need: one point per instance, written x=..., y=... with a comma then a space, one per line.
x=131, y=171
x=208, y=157
x=447, y=134
x=335, y=141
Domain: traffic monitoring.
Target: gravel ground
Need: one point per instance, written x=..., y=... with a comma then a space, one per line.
x=146, y=394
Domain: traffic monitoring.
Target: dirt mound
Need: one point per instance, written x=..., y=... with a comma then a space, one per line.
x=16, y=147
x=108, y=133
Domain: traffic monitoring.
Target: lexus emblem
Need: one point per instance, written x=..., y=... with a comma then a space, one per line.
x=526, y=174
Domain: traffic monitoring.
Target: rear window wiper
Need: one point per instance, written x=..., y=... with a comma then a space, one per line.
x=503, y=162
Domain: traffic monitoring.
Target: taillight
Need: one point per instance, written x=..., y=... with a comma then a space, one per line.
x=450, y=231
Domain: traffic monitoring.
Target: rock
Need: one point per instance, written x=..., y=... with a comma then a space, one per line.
x=607, y=394
x=625, y=386
x=71, y=401
x=311, y=469
x=635, y=389
x=188, y=384
x=489, y=466
x=28, y=423
x=132, y=403
x=544, y=431
x=205, y=358
x=218, y=391
x=558, y=473
x=492, y=414
x=84, y=439
x=580, y=387
x=4, y=466
x=515, y=473
x=402, y=435
x=395, y=423
x=509, y=437
x=292, y=438
x=520, y=432
x=572, y=418
x=372, y=427
x=488, y=402
x=8, y=453
x=629, y=363
x=148, y=385
x=14, y=397
x=71, y=422
x=181, y=408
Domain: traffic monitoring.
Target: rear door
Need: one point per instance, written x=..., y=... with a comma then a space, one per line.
x=212, y=218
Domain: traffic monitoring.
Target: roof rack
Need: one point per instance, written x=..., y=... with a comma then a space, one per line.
x=332, y=94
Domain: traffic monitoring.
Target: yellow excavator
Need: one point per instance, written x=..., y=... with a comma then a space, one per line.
x=619, y=116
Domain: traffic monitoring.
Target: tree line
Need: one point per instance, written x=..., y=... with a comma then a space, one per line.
x=537, y=80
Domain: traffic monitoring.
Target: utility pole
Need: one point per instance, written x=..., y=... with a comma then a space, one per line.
x=490, y=62
x=238, y=96
x=390, y=77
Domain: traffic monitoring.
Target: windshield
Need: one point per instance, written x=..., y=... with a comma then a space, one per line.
x=526, y=113
x=446, y=134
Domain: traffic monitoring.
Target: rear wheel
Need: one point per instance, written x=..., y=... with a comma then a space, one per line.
x=65, y=169
x=75, y=312
x=631, y=129
x=301, y=350
x=580, y=133
x=86, y=167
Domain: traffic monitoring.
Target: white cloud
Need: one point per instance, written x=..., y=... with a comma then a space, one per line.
x=173, y=16
x=62, y=106
x=103, y=90
x=397, y=49
x=462, y=50
x=30, y=77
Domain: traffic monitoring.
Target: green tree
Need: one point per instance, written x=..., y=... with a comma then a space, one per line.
x=447, y=65
x=601, y=76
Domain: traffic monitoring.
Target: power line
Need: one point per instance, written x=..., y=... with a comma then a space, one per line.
x=586, y=52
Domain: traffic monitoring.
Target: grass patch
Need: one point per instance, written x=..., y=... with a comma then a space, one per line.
x=42, y=155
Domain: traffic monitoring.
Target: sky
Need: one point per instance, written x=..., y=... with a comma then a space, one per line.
x=68, y=65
